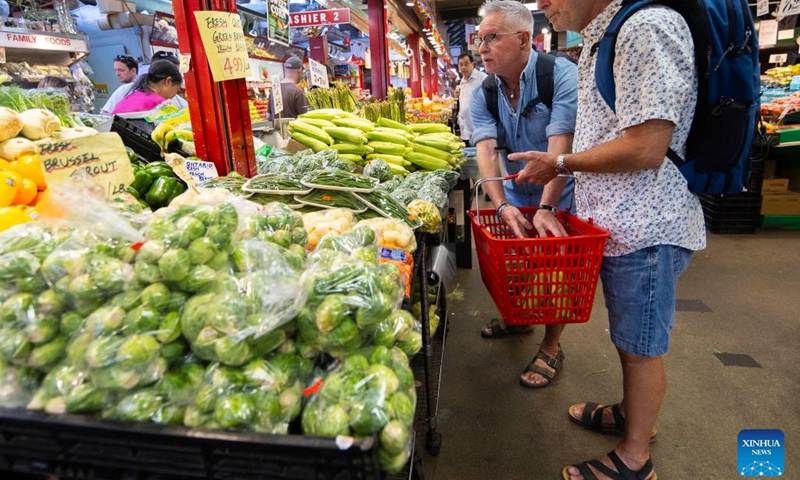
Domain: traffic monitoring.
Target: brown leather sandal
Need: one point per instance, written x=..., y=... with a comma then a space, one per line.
x=553, y=362
x=500, y=329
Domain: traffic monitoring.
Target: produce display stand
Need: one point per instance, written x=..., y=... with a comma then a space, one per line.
x=82, y=447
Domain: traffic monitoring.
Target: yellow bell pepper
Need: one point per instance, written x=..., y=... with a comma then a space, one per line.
x=9, y=183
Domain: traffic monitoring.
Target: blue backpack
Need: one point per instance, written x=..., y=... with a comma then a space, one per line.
x=726, y=119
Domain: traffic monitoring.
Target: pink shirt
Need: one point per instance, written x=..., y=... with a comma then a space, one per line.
x=138, y=102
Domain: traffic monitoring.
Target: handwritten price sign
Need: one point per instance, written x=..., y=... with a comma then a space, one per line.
x=788, y=7
x=277, y=96
x=319, y=74
x=225, y=45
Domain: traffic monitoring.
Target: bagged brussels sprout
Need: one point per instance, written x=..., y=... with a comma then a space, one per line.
x=359, y=242
x=399, y=329
x=277, y=223
x=378, y=169
x=369, y=393
x=17, y=385
x=239, y=317
x=68, y=388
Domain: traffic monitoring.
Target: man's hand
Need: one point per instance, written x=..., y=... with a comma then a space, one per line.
x=516, y=221
x=541, y=167
x=544, y=221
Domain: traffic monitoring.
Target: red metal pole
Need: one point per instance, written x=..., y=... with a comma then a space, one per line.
x=426, y=73
x=415, y=82
x=378, y=48
x=434, y=75
x=219, y=110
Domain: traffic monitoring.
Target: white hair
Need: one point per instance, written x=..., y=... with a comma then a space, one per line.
x=515, y=14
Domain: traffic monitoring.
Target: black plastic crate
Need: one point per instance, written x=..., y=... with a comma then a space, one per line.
x=755, y=177
x=732, y=213
x=80, y=447
x=135, y=134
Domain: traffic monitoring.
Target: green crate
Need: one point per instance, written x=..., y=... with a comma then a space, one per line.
x=786, y=222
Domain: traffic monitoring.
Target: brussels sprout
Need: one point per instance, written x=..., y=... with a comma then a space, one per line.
x=18, y=264
x=125, y=253
x=159, y=227
x=150, y=252
x=332, y=421
x=193, y=315
x=70, y=323
x=225, y=315
x=56, y=406
x=400, y=407
x=293, y=367
x=203, y=345
x=412, y=345
x=105, y=320
x=127, y=300
x=220, y=235
x=48, y=354
x=202, y=250
x=85, y=307
x=177, y=300
x=206, y=398
x=383, y=379
x=234, y=410
x=373, y=311
x=170, y=328
x=208, y=215
x=291, y=401
x=381, y=334
x=84, y=288
x=43, y=329
x=85, y=398
x=381, y=356
x=18, y=308
x=200, y=276
x=232, y=351
x=307, y=350
x=147, y=272
x=405, y=376
x=138, y=350
x=151, y=372
x=191, y=227
x=76, y=350
x=268, y=342
x=115, y=378
x=288, y=346
x=174, y=265
x=109, y=274
x=33, y=284
x=172, y=352
x=156, y=296
x=344, y=335
x=194, y=417
x=228, y=216
x=102, y=352
x=269, y=413
x=219, y=262
x=14, y=344
x=367, y=418
x=392, y=463
x=333, y=389
x=355, y=365
x=331, y=312
x=169, y=415
x=139, y=407
x=141, y=319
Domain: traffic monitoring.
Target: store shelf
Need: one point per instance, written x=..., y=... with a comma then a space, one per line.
x=786, y=222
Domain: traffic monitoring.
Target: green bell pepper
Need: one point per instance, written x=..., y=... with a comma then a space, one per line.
x=130, y=189
x=142, y=180
x=162, y=192
x=159, y=169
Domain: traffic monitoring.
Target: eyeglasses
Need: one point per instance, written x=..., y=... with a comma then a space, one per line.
x=124, y=57
x=488, y=39
x=162, y=54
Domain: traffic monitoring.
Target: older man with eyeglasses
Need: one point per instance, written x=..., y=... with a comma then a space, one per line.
x=527, y=120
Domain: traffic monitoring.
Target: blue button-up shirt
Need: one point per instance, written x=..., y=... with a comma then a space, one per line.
x=531, y=133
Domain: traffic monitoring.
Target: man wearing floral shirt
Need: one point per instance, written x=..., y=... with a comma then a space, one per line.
x=638, y=195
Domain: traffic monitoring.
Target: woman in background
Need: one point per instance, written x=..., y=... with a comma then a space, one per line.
x=159, y=84
x=55, y=82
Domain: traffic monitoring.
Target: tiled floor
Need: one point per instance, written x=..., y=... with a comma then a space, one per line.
x=732, y=366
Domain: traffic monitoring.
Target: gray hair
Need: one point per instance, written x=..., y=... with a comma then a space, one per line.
x=516, y=14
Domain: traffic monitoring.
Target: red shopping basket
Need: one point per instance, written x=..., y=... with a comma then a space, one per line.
x=539, y=280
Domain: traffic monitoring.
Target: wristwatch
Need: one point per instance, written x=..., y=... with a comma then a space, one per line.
x=562, y=169
x=549, y=208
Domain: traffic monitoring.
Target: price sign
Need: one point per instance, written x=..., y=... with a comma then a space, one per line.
x=201, y=171
x=778, y=58
x=319, y=74
x=788, y=7
x=224, y=43
x=186, y=61
x=277, y=96
x=762, y=8
x=99, y=159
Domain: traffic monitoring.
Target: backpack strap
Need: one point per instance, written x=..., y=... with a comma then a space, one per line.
x=492, y=95
x=545, y=64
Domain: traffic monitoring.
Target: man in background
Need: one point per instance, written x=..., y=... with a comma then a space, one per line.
x=124, y=89
x=126, y=68
x=470, y=80
x=294, y=99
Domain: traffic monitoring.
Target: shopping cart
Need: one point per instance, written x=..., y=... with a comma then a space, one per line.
x=538, y=280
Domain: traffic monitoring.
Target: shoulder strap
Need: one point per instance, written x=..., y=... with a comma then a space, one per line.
x=545, y=64
x=491, y=93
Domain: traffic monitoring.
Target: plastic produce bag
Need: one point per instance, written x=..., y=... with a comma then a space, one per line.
x=17, y=385
x=369, y=393
x=317, y=224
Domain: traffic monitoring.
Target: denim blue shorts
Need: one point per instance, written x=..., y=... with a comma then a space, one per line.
x=639, y=290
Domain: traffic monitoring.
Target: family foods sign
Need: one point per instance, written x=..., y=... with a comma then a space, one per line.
x=41, y=42
x=100, y=159
x=278, y=20
x=223, y=40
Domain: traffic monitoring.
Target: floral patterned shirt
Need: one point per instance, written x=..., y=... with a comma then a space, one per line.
x=655, y=78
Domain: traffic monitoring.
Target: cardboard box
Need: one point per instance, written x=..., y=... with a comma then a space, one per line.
x=787, y=203
x=115, y=6
x=794, y=181
x=769, y=168
x=775, y=185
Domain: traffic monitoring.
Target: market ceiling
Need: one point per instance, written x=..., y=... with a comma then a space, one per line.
x=458, y=9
